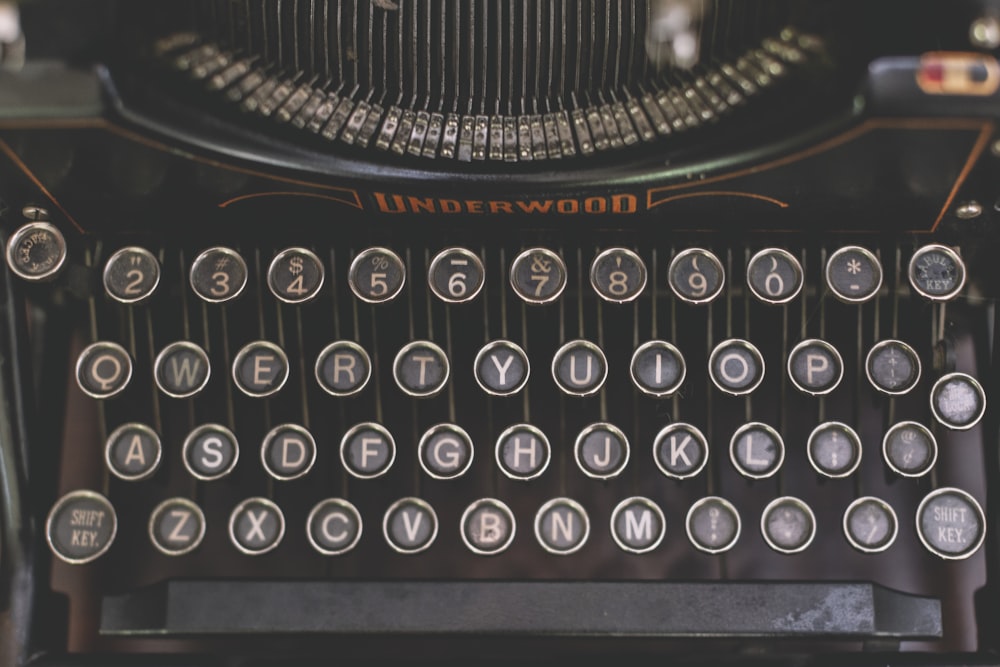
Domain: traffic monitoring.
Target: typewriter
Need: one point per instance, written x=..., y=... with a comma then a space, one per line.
x=482, y=331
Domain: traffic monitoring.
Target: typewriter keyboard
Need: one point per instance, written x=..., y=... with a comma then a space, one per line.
x=594, y=412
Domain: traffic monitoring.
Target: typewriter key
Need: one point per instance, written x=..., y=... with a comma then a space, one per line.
x=176, y=527
x=377, y=275
x=696, y=276
x=218, y=275
x=562, y=526
x=910, y=449
x=951, y=524
x=421, y=369
x=774, y=276
x=834, y=449
x=870, y=524
x=601, y=451
x=937, y=272
x=502, y=368
x=181, y=369
x=853, y=274
x=445, y=451
x=736, y=367
x=523, y=452
x=788, y=525
x=256, y=526
x=81, y=527
x=333, y=527
x=288, y=452
x=103, y=369
x=295, y=275
x=713, y=525
x=133, y=451
x=958, y=401
x=210, y=452
x=638, y=525
x=367, y=450
x=657, y=368
x=131, y=275
x=410, y=525
x=488, y=527
x=343, y=368
x=618, y=275
x=456, y=275
x=260, y=369
x=756, y=450
x=538, y=275
x=815, y=367
x=579, y=368
x=680, y=451
x=36, y=251
x=893, y=367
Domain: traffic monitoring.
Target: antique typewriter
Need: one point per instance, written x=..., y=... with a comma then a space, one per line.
x=474, y=331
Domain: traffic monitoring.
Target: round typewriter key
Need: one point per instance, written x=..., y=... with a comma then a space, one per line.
x=523, y=452
x=260, y=369
x=937, y=272
x=295, y=275
x=176, y=527
x=696, y=276
x=133, y=451
x=377, y=275
x=774, y=276
x=756, y=450
x=958, y=401
x=853, y=274
x=36, y=251
x=210, y=452
x=181, y=369
x=456, y=275
x=256, y=526
x=834, y=449
x=81, y=527
x=951, y=524
x=410, y=525
x=367, y=450
x=538, y=275
x=618, y=275
x=713, y=525
x=333, y=527
x=910, y=449
x=103, y=369
x=601, y=451
x=421, y=369
x=488, y=527
x=218, y=275
x=579, y=368
x=502, y=368
x=343, y=368
x=288, y=452
x=788, y=525
x=131, y=275
x=638, y=525
x=815, y=367
x=562, y=526
x=893, y=367
x=680, y=451
x=657, y=368
x=736, y=367
x=445, y=451
x=870, y=525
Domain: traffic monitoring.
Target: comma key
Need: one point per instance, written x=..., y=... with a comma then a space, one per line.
x=951, y=524
x=81, y=527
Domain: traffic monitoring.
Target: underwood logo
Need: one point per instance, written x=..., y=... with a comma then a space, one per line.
x=615, y=204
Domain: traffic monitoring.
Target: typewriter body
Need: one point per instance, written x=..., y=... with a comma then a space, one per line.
x=420, y=330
